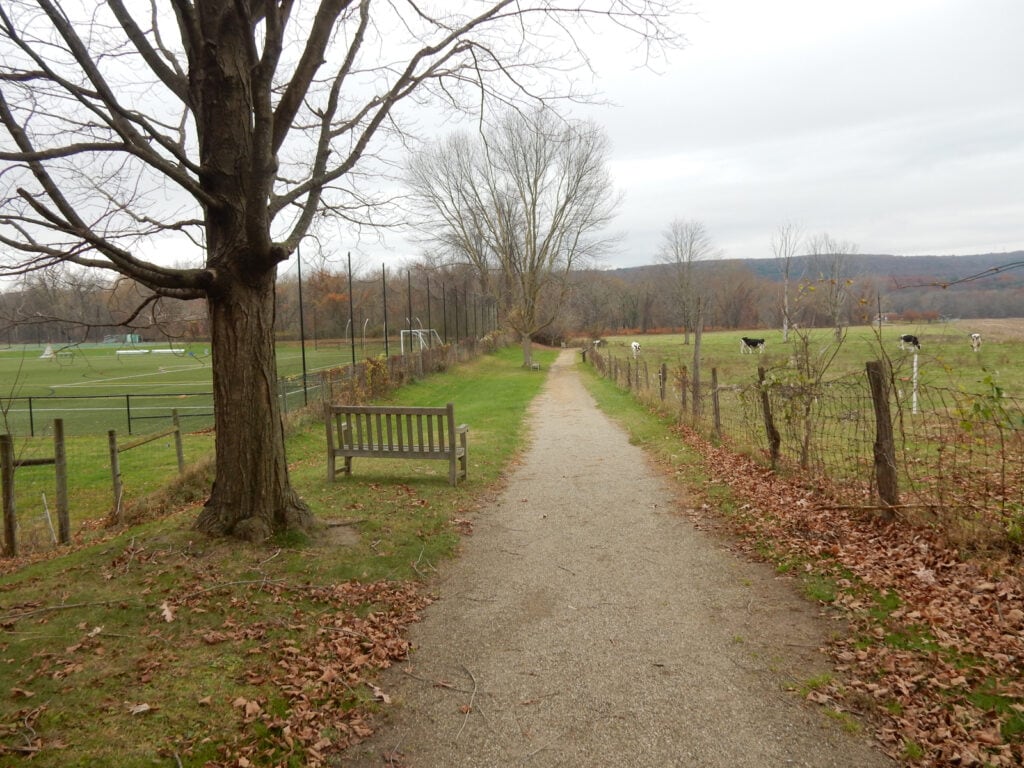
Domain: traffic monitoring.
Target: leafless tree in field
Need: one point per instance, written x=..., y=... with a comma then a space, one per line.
x=830, y=263
x=524, y=203
x=684, y=243
x=786, y=243
x=235, y=126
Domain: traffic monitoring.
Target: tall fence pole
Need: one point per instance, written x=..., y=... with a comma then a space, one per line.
x=884, y=446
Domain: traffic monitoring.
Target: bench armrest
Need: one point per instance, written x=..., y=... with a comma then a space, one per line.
x=462, y=428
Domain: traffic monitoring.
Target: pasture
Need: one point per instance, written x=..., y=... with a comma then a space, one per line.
x=945, y=359
x=955, y=415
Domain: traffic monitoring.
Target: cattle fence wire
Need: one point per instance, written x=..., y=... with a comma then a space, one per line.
x=959, y=456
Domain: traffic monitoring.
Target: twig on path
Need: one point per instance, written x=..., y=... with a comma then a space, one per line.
x=567, y=569
x=436, y=683
x=545, y=745
x=393, y=755
x=469, y=708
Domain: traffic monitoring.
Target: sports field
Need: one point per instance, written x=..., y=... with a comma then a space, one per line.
x=95, y=388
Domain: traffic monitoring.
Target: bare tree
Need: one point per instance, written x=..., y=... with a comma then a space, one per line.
x=829, y=260
x=685, y=243
x=234, y=126
x=525, y=204
x=786, y=244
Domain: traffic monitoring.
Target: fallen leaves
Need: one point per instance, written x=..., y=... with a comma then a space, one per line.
x=167, y=611
x=937, y=648
x=319, y=674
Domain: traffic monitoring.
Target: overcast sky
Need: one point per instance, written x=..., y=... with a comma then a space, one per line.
x=897, y=125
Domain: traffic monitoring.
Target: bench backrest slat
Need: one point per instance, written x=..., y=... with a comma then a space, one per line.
x=395, y=432
x=405, y=429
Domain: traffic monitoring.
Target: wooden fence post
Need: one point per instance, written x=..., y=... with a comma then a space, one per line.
x=684, y=386
x=177, y=440
x=716, y=408
x=115, y=474
x=7, y=481
x=774, y=440
x=60, y=465
x=884, y=447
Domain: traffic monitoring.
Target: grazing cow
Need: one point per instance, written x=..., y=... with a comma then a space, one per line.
x=749, y=345
x=635, y=346
x=976, y=342
x=908, y=339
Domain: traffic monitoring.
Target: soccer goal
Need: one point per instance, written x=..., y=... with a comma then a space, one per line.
x=419, y=338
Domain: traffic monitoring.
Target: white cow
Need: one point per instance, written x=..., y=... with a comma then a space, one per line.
x=635, y=346
x=976, y=342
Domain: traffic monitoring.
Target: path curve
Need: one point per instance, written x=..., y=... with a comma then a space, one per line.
x=588, y=623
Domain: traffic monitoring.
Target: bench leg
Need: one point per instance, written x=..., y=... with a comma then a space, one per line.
x=464, y=457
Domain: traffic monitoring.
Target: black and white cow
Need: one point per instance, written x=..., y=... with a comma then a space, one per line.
x=976, y=342
x=635, y=346
x=910, y=340
x=749, y=345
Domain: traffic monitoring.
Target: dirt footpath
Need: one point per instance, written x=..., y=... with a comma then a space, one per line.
x=588, y=623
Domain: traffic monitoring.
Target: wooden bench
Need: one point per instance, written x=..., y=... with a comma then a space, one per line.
x=395, y=432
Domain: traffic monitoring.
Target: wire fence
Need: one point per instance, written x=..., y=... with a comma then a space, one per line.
x=139, y=413
x=958, y=457
x=86, y=422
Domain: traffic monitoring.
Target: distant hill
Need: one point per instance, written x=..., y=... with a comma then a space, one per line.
x=989, y=285
x=903, y=271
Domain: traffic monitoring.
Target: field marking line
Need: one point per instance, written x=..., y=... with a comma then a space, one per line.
x=124, y=378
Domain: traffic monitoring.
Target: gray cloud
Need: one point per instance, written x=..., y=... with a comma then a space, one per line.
x=896, y=126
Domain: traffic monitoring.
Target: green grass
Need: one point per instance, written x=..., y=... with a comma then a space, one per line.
x=94, y=673
x=945, y=359
x=1010, y=709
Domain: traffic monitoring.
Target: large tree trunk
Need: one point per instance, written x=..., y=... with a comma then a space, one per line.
x=252, y=497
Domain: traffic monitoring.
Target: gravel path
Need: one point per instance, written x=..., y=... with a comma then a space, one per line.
x=588, y=623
